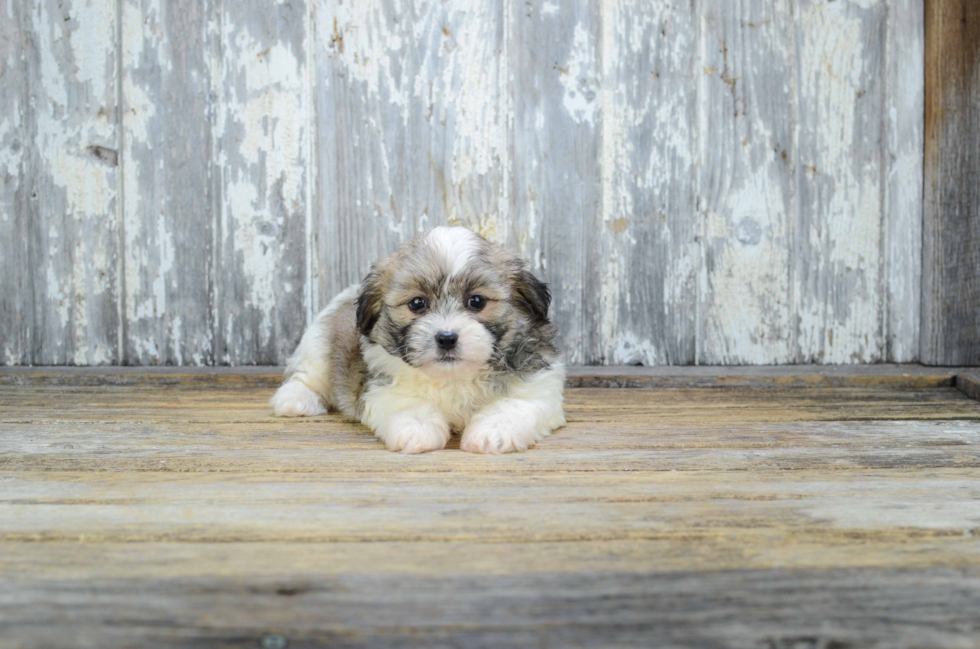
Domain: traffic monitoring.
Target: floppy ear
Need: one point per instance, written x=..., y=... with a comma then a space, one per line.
x=369, y=302
x=531, y=295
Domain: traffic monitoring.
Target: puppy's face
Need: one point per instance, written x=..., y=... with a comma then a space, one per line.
x=450, y=303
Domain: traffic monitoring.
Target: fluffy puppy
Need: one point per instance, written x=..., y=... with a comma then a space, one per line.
x=450, y=333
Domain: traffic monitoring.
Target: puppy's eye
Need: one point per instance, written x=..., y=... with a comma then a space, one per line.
x=476, y=303
x=418, y=305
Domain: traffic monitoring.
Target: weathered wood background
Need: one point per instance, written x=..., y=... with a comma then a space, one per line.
x=708, y=181
x=951, y=219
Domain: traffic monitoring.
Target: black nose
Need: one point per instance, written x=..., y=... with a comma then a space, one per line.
x=446, y=339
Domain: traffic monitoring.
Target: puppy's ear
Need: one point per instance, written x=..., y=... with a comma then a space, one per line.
x=370, y=301
x=531, y=295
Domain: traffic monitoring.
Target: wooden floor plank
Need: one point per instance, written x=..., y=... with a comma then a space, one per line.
x=269, y=439
x=846, y=609
x=672, y=376
x=321, y=508
x=74, y=561
x=969, y=384
x=145, y=404
x=156, y=514
x=339, y=447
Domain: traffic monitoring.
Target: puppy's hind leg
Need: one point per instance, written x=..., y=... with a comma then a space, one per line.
x=295, y=399
x=306, y=390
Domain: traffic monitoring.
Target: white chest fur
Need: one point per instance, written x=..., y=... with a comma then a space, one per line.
x=456, y=397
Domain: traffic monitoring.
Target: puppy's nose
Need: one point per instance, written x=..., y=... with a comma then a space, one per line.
x=446, y=339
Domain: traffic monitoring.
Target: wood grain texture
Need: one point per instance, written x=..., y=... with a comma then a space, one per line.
x=413, y=127
x=167, y=175
x=73, y=180
x=262, y=148
x=229, y=429
x=783, y=376
x=951, y=224
x=301, y=566
x=902, y=222
x=713, y=506
x=747, y=91
x=174, y=515
x=16, y=269
x=643, y=258
x=557, y=121
x=838, y=236
x=703, y=182
x=969, y=384
x=842, y=608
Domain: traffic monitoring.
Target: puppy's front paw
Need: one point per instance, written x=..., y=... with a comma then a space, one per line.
x=411, y=434
x=497, y=433
x=294, y=399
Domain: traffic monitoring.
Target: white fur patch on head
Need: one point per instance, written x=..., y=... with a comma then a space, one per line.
x=455, y=246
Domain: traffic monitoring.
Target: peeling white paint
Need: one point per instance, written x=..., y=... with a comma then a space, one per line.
x=580, y=77
x=630, y=180
x=137, y=31
x=73, y=110
x=648, y=164
x=10, y=125
x=617, y=201
x=366, y=44
x=15, y=268
x=430, y=84
x=749, y=289
x=166, y=215
x=146, y=298
x=746, y=185
x=903, y=192
x=94, y=28
x=839, y=323
x=263, y=127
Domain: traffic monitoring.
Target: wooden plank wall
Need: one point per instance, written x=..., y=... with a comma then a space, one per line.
x=709, y=182
x=166, y=145
x=951, y=227
x=16, y=291
x=72, y=180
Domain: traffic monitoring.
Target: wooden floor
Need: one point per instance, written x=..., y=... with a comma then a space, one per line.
x=156, y=510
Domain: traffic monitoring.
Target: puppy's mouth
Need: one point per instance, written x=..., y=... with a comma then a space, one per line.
x=448, y=359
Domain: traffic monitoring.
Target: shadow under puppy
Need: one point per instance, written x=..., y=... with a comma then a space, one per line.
x=450, y=333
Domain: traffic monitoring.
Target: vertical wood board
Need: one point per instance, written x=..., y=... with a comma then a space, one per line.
x=951, y=224
x=73, y=178
x=16, y=276
x=262, y=133
x=412, y=128
x=904, y=124
x=837, y=255
x=643, y=258
x=557, y=152
x=166, y=170
x=746, y=181
x=710, y=182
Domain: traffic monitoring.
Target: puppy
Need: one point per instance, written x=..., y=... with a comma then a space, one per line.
x=450, y=333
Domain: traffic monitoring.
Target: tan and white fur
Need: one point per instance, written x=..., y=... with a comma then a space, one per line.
x=449, y=334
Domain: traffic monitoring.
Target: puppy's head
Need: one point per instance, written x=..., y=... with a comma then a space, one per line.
x=449, y=302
